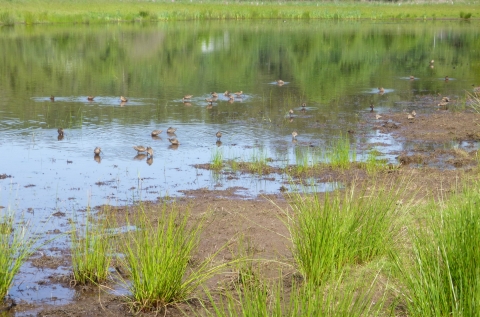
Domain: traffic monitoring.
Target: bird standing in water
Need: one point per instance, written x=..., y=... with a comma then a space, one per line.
x=156, y=132
x=97, y=151
x=171, y=130
x=140, y=148
x=218, y=135
x=294, y=135
x=174, y=141
x=149, y=151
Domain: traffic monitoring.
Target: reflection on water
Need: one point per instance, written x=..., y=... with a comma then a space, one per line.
x=330, y=76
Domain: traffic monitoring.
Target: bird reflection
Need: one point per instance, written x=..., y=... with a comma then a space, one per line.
x=122, y=104
x=150, y=160
x=218, y=143
x=60, y=137
x=97, y=158
x=140, y=156
x=173, y=146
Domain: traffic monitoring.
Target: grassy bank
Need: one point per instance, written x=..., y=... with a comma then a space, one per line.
x=105, y=11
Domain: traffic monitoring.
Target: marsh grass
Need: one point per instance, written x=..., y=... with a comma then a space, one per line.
x=90, y=249
x=157, y=255
x=17, y=243
x=372, y=164
x=258, y=163
x=443, y=276
x=340, y=154
x=332, y=233
x=217, y=159
x=474, y=100
x=261, y=297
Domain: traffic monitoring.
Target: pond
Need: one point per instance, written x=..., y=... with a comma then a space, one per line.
x=335, y=68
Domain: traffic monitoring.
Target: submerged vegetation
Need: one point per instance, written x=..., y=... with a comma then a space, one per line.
x=107, y=11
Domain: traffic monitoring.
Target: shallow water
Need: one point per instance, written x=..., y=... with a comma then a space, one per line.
x=334, y=67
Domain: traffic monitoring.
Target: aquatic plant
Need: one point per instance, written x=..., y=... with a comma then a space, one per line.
x=91, y=249
x=217, y=159
x=372, y=164
x=17, y=244
x=157, y=256
x=441, y=273
x=335, y=231
x=339, y=154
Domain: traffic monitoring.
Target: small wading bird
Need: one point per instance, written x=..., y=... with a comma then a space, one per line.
x=239, y=94
x=304, y=105
x=214, y=94
x=290, y=112
x=414, y=113
x=410, y=117
x=378, y=116
x=90, y=98
x=187, y=97
x=381, y=90
x=156, y=132
x=412, y=77
x=149, y=151
x=371, y=107
x=174, y=141
x=280, y=82
x=171, y=130
x=123, y=99
x=140, y=149
x=52, y=98
x=60, y=131
x=218, y=135
x=209, y=100
x=446, y=78
x=97, y=151
x=226, y=93
x=294, y=135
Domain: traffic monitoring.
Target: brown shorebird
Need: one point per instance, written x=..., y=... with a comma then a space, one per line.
x=123, y=99
x=90, y=98
x=381, y=90
x=60, y=131
x=414, y=113
x=187, y=97
x=149, y=151
x=226, y=93
x=412, y=77
x=446, y=78
x=280, y=82
x=371, y=107
x=378, y=116
x=239, y=93
x=209, y=100
x=410, y=117
x=52, y=98
x=294, y=134
x=97, y=151
x=218, y=135
x=214, y=94
x=140, y=149
x=171, y=130
x=156, y=132
x=290, y=112
x=174, y=141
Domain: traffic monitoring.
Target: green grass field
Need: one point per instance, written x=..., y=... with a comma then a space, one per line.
x=106, y=11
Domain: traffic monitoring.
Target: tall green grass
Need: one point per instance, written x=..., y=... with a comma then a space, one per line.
x=340, y=154
x=17, y=244
x=157, y=257
x=340, y=230
x=217, y=159
x=270, y=298
x=442, y=273
x=91, y=250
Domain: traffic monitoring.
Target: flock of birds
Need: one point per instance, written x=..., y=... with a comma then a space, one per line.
x=231, y=98
x=155, y=133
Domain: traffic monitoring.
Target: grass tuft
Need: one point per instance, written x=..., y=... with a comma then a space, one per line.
x=16, y=245
x=157, y=256
x=91, y=250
